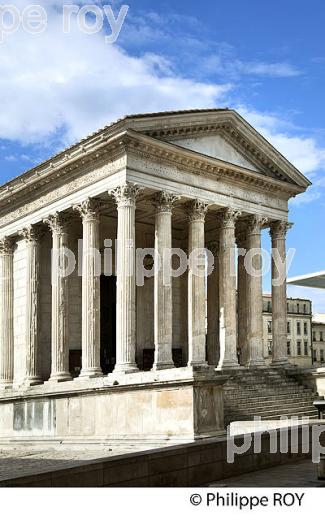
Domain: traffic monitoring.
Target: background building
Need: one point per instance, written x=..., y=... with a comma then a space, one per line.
x=318, y=328
x=299, y=331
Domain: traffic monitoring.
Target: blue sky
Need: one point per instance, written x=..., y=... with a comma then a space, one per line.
x=265, y=59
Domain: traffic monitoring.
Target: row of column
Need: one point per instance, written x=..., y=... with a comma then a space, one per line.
x=221, y=291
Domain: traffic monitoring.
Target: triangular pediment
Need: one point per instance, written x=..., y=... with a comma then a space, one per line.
x=217, y=147
x=220, y=134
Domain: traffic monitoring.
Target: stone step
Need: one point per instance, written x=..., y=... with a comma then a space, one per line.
x=273, y=410
x=273, y=398
x=249, y=417
x=267, y=404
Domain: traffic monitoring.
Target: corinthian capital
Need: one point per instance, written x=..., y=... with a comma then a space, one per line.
x=88, y=209
x=196, y=210
x=164, y=201
x=7, y=245
x=126, y=194
x=228, y=217
x=31, y=233
x=57, y=223
x=279, y=229
x=255, y=224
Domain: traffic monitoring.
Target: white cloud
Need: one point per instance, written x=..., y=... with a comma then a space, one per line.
x=277, y=70
x=75, y=83
x=304, y=152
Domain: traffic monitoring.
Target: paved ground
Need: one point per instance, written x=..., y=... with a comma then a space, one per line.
x=21, y=460
x=298, y=474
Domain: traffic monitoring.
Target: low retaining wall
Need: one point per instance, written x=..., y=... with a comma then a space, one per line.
x=193, y=464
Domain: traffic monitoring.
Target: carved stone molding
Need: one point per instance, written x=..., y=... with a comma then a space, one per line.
x=255, y=224
x=31, y=233
x=89, y=209
x=57, y=223
x=279, y=229
x=7, y=245
x=196, y=210
x=126, y=194
x=228, y=217
x=164, y=201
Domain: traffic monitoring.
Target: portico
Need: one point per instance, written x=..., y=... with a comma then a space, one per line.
x=192, y=180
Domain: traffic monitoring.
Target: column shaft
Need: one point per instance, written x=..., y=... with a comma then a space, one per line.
x=91, y=270
x=125, y=197
x=33, y=362
x=6, y=314
x=228, y=296
x=213, y=347
x=279, y=293
x=242, y=300
x=163, y=301
x=60, y=305
x=255, y=293
x=196, y=285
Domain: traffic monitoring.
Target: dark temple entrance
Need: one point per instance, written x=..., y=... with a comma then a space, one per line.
x=107, y=323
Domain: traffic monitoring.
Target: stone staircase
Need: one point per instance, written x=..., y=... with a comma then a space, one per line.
x=267, y=393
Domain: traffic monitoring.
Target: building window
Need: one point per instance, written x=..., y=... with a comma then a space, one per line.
x=288, y=327
x=322, y=356
x=306, y=348
x=305, y=308
x=269, y=346
x=299, y=348
x=288, y=307
x=289, y=348
x=269, y=308
x=321, y=336
x=269, y=327
x=305, y=328
x=298, y=308
x=314, y=336
x=314, y=355
x=298, y=328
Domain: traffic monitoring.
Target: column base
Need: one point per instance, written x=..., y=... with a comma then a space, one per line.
x=278, y=363
x=90, y=373
x=6, y=385
x=162, y=366
x=256, y=363
x=229, y=365
x=33, y=381
x=60, y=378
x=197, y=364
x=127, y=368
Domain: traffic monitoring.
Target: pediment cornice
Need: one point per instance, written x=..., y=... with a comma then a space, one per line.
x=153, y=136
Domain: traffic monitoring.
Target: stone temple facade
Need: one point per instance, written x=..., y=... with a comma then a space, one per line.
x=102, y=355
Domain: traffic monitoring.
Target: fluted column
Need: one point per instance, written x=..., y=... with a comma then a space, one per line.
x=255, y=293
x=196, y=286
x=60, y=305
x=213, y=347
x=228, y=303
x=91, y=271
x=163, y=301
x=278, y=231
x=6, y=313
x=242, y=300
x=32, y=235
x=125, y=197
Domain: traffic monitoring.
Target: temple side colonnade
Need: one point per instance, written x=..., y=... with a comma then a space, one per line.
x=234, y=301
